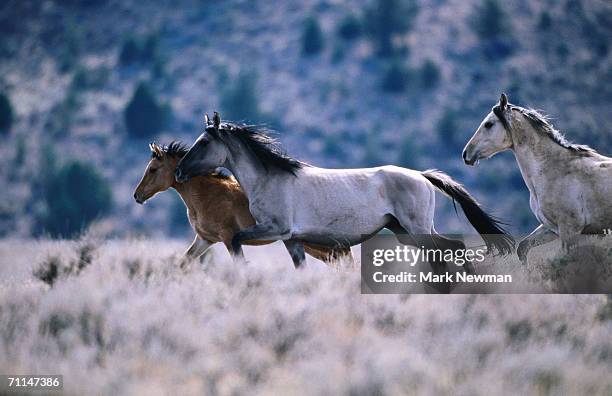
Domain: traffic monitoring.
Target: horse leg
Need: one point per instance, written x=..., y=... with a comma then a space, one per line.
x=570, y=235
x=260, y=232
x=296, y=251
x=422, y=238
x=345, y=254
x=198, y=248
x=455, y=245
x=228, y=246
x=538, y=237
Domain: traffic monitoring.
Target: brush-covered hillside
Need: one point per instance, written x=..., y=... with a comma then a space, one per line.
x=86, y=85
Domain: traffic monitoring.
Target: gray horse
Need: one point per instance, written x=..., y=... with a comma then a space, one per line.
x=570, y=184
x=296, y=202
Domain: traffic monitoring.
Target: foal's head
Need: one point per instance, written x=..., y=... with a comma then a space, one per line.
x=159, y=173
x=492, y=135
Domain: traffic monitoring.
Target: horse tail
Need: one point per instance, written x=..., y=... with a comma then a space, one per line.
x=489, y=227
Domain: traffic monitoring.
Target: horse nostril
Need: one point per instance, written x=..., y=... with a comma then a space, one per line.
x=138, y=200
x=464, y=155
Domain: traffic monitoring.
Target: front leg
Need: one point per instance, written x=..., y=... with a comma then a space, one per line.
x=296, y=251
x=265, y=231
x=198, y=247
x=539, y=236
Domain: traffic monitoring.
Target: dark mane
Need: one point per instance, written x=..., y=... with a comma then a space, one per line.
x=257, y=139
x=543, y=126
x=175, y=149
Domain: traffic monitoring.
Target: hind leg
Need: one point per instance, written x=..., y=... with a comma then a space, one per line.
x=296, y=251
x=422, y=240
x=455, y=245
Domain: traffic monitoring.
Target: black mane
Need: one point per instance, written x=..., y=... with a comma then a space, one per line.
x=174, y=149
x=542, y=125
x=257, y=139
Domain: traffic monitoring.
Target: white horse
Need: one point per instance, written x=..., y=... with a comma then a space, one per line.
x=296, y=202
x=570, y=184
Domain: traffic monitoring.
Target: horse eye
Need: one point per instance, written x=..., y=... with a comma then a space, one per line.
x=488, y=124
x=153, y=170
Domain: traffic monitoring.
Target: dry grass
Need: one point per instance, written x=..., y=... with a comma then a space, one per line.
x=121, y=318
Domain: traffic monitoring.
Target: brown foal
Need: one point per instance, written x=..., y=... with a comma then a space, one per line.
x=217, y=207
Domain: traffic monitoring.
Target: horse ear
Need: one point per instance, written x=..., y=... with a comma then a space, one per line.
x=216, y=120
x=156, y=150
x=206, y=119
x=503, y=101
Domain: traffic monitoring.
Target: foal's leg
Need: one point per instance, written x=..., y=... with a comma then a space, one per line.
x=539, y=236
x=296, y=250
x=198, y=247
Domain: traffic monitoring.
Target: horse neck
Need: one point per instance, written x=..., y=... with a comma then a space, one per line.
x=538, y=157
x=185, y=190
x=246, y=168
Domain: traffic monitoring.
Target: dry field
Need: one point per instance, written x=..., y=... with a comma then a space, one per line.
x=121, y=318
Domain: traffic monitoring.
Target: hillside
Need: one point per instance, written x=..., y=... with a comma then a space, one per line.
x=346, y=84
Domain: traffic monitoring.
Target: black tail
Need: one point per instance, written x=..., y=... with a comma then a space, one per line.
x=489, y=227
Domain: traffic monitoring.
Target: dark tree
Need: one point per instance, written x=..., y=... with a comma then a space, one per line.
x=312, y=37
x=350, y=27
x=387, y=19
x=489, y=21
x=6, y=113
x=430, y=74
x=395, y=79
x=130, y=52
x=408, y=155
x=75, y=195
x=448, y=130
x=144, y=116
x=239, y=100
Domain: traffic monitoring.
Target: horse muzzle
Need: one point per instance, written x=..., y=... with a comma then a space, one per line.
x=469, y=159
x=138, y=199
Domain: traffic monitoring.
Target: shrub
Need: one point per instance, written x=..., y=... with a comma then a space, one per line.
x=545, y=21
x=86, y=78
x=312, y=37
x=489, y=21
x=349, y=28
x=135, y=50
x=130, y=52
x=448, y=128
x=144, y=116
x=372, y=155
x=150, y=47
x=388, y=18
x=430, y=74
x=74, y=195
x=239, y=100
x=408, y=156
x=395, y=78
x=6, y=113
x=54, y=268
